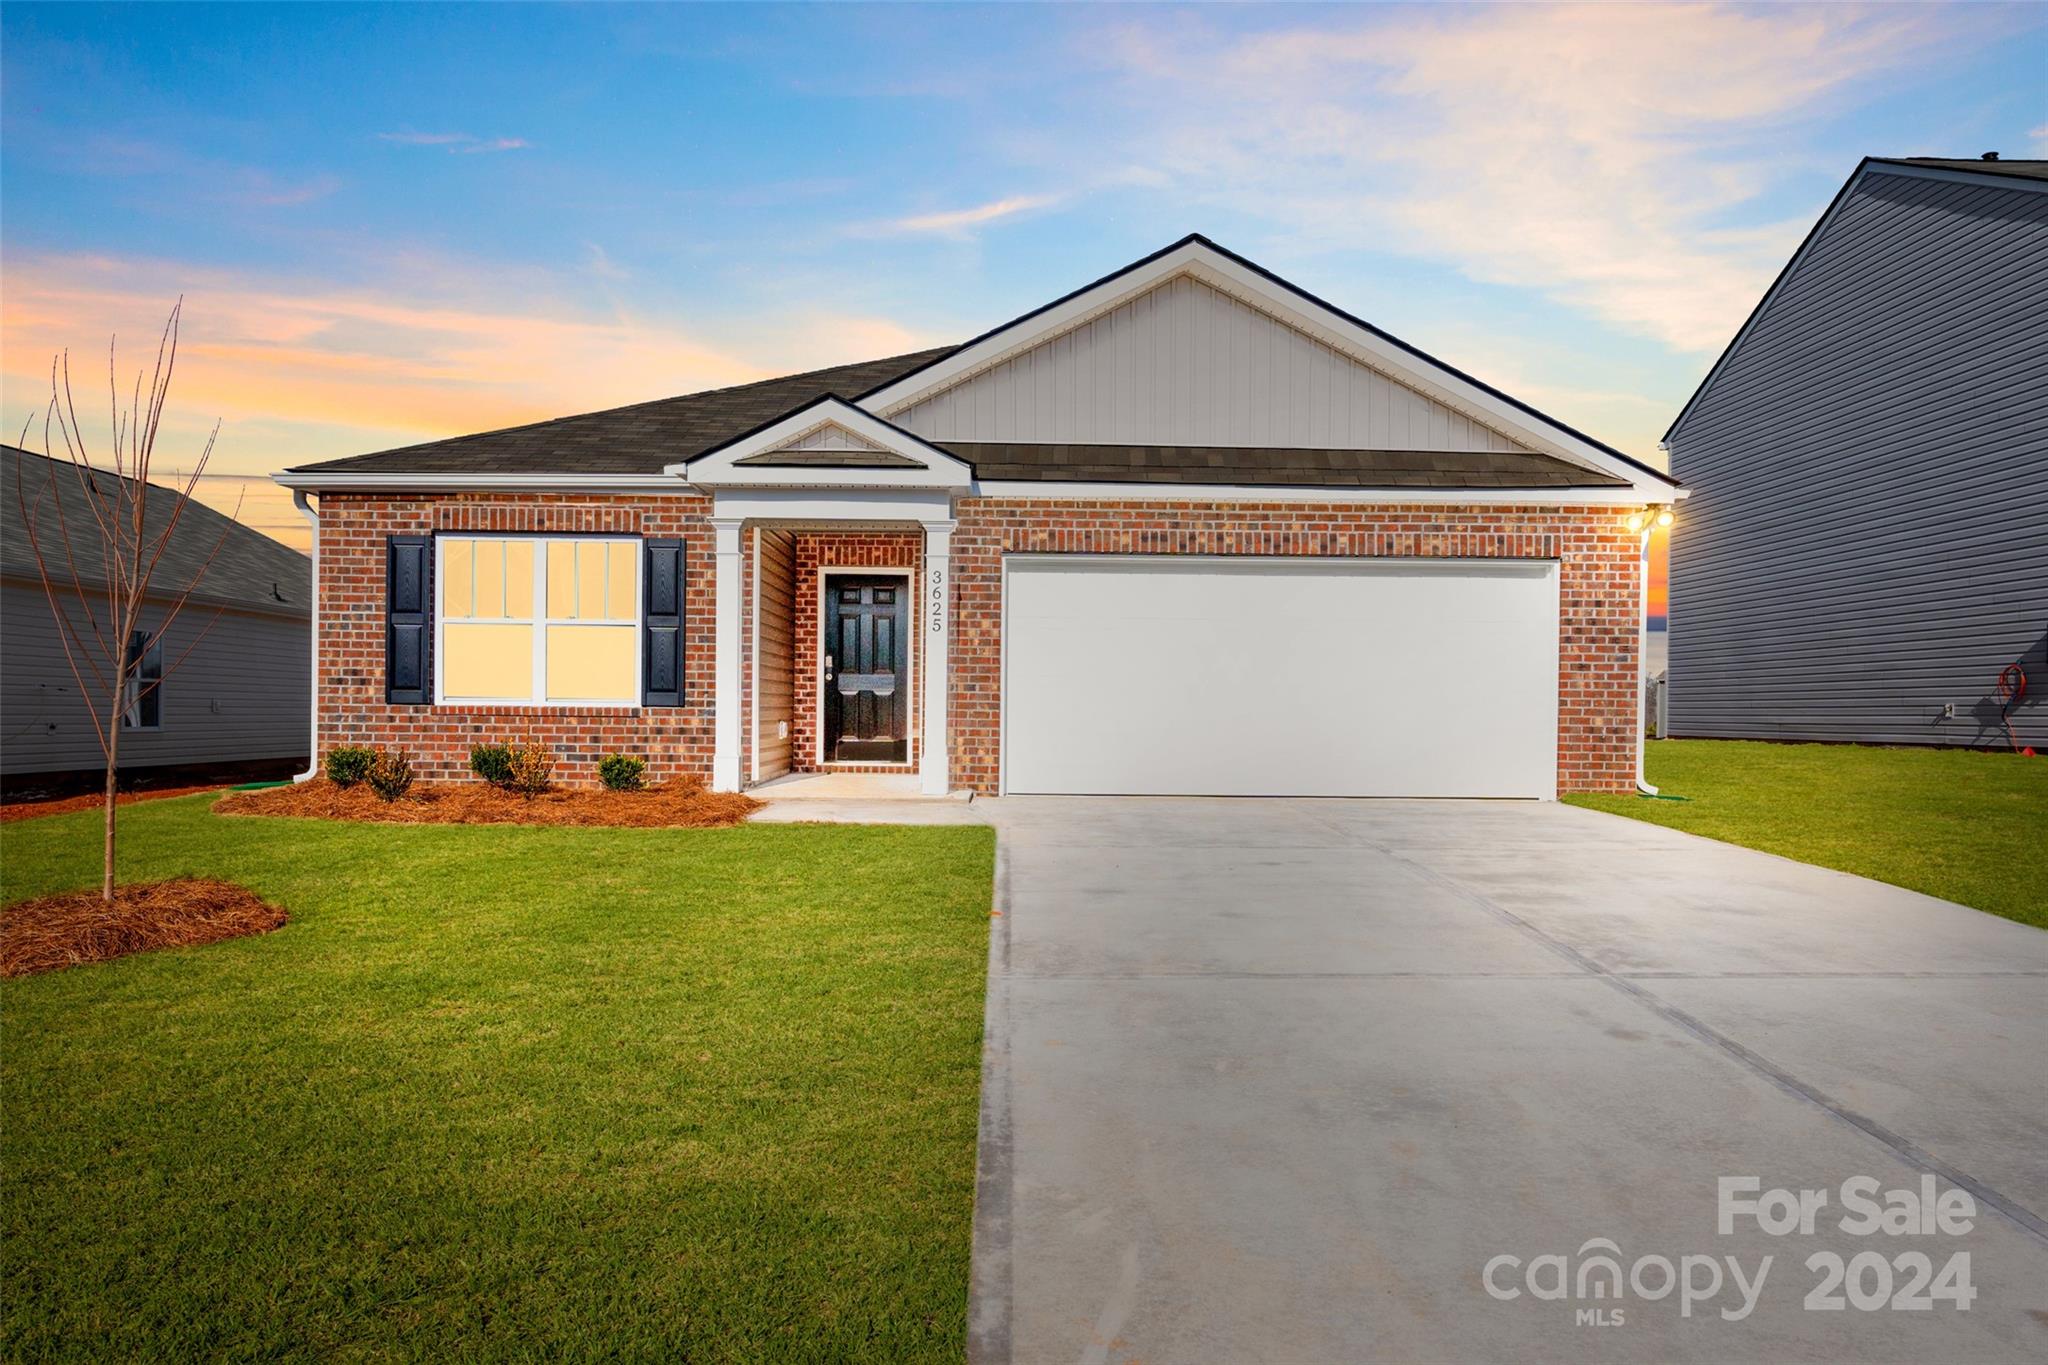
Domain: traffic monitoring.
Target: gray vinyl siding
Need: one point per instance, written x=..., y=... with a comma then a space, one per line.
x=1185, y=364
x=1868, y=535
x=241, y=695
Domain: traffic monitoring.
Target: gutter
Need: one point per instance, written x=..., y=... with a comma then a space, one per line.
x=314, y=481
x=300, y=501
x=1548, y=495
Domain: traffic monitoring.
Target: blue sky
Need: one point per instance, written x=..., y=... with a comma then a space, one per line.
x=394, y=223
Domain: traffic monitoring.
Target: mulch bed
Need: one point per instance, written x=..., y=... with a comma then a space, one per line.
x=64, y=805
x=76, y=927
x=679, y=805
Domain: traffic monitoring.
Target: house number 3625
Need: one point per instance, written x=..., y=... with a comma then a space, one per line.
x=937, y=592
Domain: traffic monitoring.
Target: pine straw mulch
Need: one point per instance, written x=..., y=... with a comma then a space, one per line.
x=63, y=805
x=679, y=805
x=76, y=927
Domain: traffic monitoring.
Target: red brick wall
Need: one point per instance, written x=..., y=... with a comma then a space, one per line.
x=1598, y=610
x=1597, y=650
x=816, y=550
x=674, y=740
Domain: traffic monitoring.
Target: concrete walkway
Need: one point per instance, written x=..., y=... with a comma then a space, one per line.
x=1276, y=1080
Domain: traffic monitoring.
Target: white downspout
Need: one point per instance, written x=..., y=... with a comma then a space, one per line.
x=1643, y=662
x=305, y=507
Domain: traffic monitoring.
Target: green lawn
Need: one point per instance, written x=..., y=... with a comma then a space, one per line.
x=500, y=1092
x=1964, y=825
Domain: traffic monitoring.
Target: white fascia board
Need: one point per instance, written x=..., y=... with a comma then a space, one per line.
x=830, y=505
x=720, y=467
x=1289, y=305
x=1378, y=497
x=312, y=481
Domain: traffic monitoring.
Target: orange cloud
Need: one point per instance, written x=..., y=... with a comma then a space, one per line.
x=307, y=370
x=336, y=355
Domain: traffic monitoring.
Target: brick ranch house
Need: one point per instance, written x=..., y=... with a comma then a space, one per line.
x=1188, y=530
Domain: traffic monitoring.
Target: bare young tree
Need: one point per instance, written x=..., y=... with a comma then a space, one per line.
x=121, y=536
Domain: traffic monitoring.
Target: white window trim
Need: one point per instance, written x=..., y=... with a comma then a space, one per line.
x=540, y=621
x=913, y=713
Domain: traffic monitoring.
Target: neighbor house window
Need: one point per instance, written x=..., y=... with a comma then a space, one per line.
x=532, y=621
x=144, y=689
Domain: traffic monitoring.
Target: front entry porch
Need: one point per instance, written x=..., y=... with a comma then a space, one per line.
x=831, y=644
x=816, y=517
x=836, y=641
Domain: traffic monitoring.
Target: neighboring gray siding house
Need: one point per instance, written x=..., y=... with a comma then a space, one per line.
x=238, y=703
x=1867, y=542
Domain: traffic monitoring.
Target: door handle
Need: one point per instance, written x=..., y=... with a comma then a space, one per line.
x=828, y=668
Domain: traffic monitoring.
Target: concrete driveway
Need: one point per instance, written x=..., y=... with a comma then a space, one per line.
x=1276, y=1080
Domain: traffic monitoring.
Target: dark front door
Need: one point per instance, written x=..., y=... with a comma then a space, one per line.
x=867, y=670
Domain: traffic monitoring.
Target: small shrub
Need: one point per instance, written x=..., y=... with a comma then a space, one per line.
x=349, y=765
x=622, y=772
x=492, y=762
x=532, y=766
x=391, y=775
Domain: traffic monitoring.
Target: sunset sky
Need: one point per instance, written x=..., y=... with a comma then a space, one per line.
x=391, y=224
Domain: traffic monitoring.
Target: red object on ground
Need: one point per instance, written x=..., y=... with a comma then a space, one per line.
x=2012, y=685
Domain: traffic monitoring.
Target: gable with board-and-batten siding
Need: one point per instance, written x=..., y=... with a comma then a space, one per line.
x=831, y=436
x=1186, y=364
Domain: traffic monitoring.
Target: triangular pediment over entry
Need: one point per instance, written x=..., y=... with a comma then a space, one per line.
x=829, y=443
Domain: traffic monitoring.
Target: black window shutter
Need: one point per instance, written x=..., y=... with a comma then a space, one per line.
x=661, y=624
x=409, y=620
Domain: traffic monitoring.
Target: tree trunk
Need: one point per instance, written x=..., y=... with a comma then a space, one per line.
x=113, y=793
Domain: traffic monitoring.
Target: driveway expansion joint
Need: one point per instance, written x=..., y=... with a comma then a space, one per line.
x=991, y=1257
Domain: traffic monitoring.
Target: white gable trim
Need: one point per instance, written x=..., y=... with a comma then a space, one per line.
x=720, y=466
x=1239, y=279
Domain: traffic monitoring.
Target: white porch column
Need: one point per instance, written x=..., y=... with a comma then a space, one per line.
x=933, y=766
x=727, y=712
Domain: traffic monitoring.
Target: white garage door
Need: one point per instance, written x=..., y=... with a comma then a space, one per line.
x=1279, y=677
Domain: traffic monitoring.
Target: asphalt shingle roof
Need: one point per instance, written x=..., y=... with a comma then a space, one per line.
x=647, y=437
x=640, y=439
x=250, y=569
